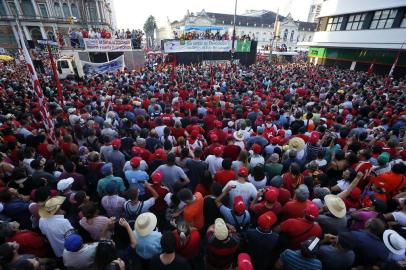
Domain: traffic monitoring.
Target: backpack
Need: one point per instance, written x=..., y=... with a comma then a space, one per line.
x=130, y=215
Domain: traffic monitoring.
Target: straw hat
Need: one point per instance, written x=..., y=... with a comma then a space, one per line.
x=220, y=229
x=238, y=135
x=296, y=143
x=145, y=224
x=394, y=242
x=335, y=205
x=51, y=206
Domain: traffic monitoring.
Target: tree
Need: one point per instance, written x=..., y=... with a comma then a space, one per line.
x=149, y=29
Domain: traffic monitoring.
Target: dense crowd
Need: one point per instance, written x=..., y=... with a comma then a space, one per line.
x=261, y=167
x=191, y=35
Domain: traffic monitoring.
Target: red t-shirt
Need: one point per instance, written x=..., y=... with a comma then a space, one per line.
x=290, y=182
x=30, y=243
x=294, y=209
x=231, y=151
x=224, y=176
x=299, y=230
x=260, y=208
x=191, y=247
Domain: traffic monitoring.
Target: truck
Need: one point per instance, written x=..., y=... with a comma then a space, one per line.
x=70, y=64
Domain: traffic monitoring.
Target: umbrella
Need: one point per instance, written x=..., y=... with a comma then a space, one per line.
x=6, y=58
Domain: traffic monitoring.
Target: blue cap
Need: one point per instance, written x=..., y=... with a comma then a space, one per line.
x=107, y=168
x=73, y=242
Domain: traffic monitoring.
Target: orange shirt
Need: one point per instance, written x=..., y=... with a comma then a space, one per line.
x=193, y=213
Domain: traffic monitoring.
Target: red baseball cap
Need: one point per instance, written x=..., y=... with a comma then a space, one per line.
x=156, y=177
x=243, y=171
x=267, y=220
x=160, y=154
x=135, y=162
x=214, y=137
x=116, y=143
x=314, y=137
x=311, y=211
x=218, y=124
x=276, y=140
x=256, y=148
x=217, y=151
x=239, y=205
x=244, y=262
x=271, y=195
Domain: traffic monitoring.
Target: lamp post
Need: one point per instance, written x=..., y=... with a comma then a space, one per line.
x=233, y=38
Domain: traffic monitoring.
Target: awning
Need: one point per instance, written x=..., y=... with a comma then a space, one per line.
x=199, y=28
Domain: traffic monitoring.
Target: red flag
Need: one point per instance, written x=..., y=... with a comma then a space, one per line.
x=371, y=68
x=46, y=117
x=394, y=63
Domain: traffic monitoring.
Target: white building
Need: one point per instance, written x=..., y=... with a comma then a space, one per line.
x=314, y=11
x=46, y=19
x=259, y=25
x=357, y=34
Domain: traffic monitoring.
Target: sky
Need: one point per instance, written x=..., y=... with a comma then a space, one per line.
x=133, y=13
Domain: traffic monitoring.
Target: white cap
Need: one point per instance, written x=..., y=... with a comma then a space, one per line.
x=64, y=183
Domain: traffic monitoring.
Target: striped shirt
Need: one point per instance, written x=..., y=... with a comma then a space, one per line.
x=293, y=260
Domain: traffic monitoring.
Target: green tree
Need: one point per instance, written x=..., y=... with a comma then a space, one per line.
x=149, y=29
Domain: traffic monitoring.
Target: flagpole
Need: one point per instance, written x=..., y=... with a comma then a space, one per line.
x=49, y=125
x=396, y=60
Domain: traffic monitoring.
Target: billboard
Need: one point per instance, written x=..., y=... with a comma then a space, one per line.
x=103, y=45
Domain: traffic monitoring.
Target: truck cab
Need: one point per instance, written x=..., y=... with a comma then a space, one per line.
x=66, y=68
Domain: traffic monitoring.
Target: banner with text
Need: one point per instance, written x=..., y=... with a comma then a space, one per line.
x=90, y=68
x=102, y=45
x=174, y=46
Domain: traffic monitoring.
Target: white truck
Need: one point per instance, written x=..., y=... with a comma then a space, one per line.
x=70, y=64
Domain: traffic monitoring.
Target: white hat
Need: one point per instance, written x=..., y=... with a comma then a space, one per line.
x=64, y=183
x=145, y=224
x=220, y=229
x=335, y=205
x=394, y=242
x=238, y=135
x=71, y=110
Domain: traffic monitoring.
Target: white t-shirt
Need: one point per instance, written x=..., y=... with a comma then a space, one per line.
x=342, y=184
x=400, y=217
x=246, y=190
x=214, y=164
x=256, y=160
x=258, y=184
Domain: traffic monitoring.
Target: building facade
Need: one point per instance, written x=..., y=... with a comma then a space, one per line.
x=259, y=25
x=353, y=34
x=51, y=19
x=314, y=11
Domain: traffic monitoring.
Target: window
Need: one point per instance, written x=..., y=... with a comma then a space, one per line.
x=383, y=18
x=292, y=35
x=334, y=24
x=310, y=38
x=2, y=9
x=355, y=22
x=27, y=8
x=58, y=10
x=75, y=11
x=403, y=23
x=66, y=11
x=13, y=8
x=43, y=10
x=304, y=37
x=285, y=34
x=93, y=12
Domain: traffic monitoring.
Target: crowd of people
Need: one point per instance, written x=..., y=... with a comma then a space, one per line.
x=191, y=35
x=262, y=167
x=76, y=36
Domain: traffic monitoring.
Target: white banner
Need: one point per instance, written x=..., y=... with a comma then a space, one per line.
x=90, y=68
x=102, y=45
x=174, y=46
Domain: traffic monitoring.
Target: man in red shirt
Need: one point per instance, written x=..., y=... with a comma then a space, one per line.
x=301, y=229
x=364, y=166
x=231, y=150
x=226, y=174
x=294, y=208
x=269, y=203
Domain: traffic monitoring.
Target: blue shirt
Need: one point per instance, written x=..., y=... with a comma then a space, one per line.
x=293, y=260
x=134, y=178
x=369, y=248
x=261, y=246
x=148, y=246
